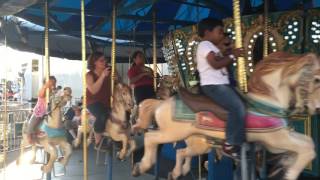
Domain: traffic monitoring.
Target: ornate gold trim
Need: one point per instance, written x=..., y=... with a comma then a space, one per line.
x=307, y=129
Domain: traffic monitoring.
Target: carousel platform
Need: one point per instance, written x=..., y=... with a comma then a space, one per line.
x=74, y=170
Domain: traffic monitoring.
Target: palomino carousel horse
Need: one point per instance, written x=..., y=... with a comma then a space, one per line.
x=117, y=127
x=52, y=132
x=271, y=87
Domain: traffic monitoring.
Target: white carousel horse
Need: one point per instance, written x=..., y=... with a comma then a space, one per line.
x=274, y=81
x=52, y=133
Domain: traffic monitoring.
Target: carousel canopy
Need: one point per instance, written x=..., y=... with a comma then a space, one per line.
x=23, y=21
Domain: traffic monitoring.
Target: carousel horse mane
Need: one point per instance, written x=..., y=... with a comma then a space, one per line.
x=121, y=94
x=289, y=64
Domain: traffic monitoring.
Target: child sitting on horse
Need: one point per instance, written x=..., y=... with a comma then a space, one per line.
x=40, y=109
x=214, y=81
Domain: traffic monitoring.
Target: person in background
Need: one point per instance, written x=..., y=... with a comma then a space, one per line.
x=214, y=81
x=141, y=78
x=40, y=109
x=98, y=93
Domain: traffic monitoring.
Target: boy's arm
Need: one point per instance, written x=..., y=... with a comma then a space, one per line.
x=218, y=62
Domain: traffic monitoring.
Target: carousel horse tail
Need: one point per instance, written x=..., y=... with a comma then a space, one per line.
x=146, y=114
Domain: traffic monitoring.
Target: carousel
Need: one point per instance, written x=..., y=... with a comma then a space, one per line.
x=180, y=133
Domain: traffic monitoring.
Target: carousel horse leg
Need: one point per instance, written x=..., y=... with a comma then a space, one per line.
x=301, y=146
x=76, y=142
x=53, y=156
x=22, y=146
x=67, y=151
x=151, y=142
x=33, y=154
x=132, y=145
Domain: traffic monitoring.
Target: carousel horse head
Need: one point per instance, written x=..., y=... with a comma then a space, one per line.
x=59, y=100
x=122, y=95
x=167, y=86
x=314, y=95
x=285, y=78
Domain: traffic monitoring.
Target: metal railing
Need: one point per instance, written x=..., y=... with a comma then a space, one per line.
x=16, y=115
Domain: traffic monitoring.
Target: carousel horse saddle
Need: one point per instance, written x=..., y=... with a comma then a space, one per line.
x=209, y=115
x=198, y=103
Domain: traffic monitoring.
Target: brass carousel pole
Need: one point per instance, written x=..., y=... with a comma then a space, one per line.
x=154, y=52
x=266, y=29
x=113, y=46
x=5, y=123
x=154, y=48
x=84, y=92
x=241, y=68
x=46, y=61
x=263, y=171
x=113, y=77
x=46, y=48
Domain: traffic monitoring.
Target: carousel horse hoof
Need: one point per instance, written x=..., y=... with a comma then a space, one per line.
x=60, y=159
x=118, y=155
x=170, y=176
x=45, y=169
x=136, y=170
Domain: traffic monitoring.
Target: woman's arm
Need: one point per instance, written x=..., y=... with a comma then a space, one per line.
x=138, y=77
x=92, y=86
x=42, y=91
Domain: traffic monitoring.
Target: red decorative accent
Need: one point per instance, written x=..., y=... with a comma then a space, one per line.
x=40, y=134
x=254, y=122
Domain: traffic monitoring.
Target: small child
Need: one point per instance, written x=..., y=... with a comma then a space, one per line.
x=214, y=81
x=40, y=109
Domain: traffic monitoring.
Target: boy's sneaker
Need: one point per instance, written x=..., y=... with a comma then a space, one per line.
x=232, y=151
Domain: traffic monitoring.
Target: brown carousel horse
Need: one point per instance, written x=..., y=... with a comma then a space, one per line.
x=272, y=85
x=117, y=127
x=52, y=133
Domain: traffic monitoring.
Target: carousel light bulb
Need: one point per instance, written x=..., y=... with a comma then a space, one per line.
x=286, y=37
x=234, y=64
x=255, y=36
x=293, y=36
x=251, y=70
x=274, y=50
x=317, y=31
x=190, y=58
x=273, y=44
x=314, y=23
x=251, y=40
x=190, y=63
x=290, y=32
x=313, y=29
x=189, y=53
x=192, y=68
x=233, y=32
x=233, y=38
x=249, y=52
x=290, y=42
x=249, y=46
x=290, y=26
x=260, y=33
x=249, y=58
x=271, y=38
x=228, y=30
x=316, y=41
x=250, y=64
x=295, y=23
x=295, y=29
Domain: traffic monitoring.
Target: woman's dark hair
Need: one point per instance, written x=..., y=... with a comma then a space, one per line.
x=134, y=55
x=93, y=58
x=208, y=24
x=50, y=78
